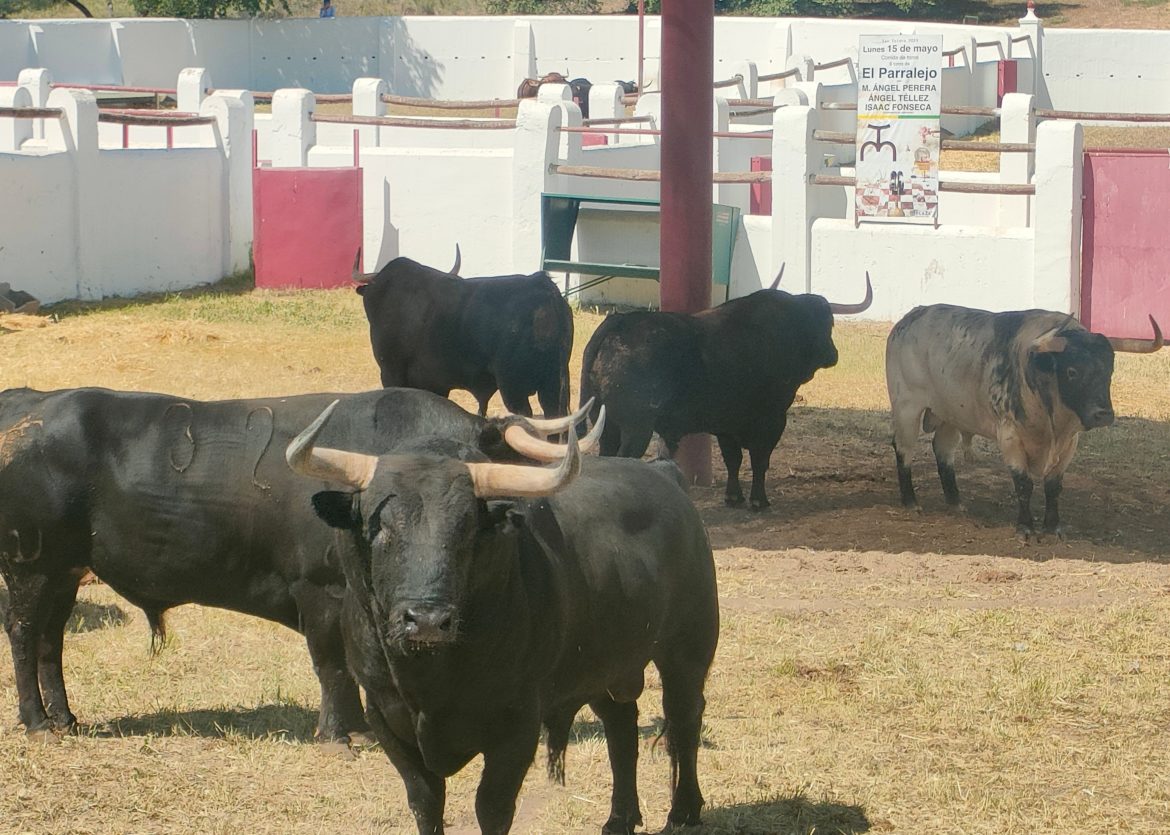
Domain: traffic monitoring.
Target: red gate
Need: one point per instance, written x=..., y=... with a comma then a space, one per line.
x=307, y=225
x=1125, y=270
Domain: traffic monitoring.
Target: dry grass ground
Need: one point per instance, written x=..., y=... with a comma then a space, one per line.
x=878, y=671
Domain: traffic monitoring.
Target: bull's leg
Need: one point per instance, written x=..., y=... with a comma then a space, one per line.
x=621, y=738
x=611, y=437
x=515, y=400
x=635, y=439
x=760, y=457
x=504, y=767
x=341, y=718
x=554, y=397
x=946, y=440
x=426, y=792
x=682, y=706
x=906, y=425
x=27, y=614
x=733, y=460
x=1052, y=489
x=52, y=678
x=1025, y=527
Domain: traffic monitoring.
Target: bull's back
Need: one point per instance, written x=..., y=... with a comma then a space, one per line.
x=941, y=357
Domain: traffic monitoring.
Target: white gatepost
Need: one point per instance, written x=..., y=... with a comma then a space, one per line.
x=792, y=198
x=750, y=73
x=536, y=151
x=39, y=83
x=605, y=102
x=561, y=96
x=193, y=87
x=367, y=101
x=234, y=120
x=76, y=133
x=1031, y=26
x=293, y=130
x=1060, y=155
x=1017, y=124
x=15, y=132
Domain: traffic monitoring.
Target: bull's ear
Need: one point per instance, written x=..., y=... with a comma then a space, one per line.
x=335, y=508
x=503, y=516
x=361, y=289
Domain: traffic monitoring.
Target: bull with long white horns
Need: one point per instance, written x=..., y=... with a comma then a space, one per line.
x=732, y=371
x=484, y=599
x=1031, y=380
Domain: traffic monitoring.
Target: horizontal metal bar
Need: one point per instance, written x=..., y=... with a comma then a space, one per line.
x=653, y=175
x=625, y=120
x=31, y=112
x=728, y=82
x=840, y=62
x=407, y=122
x=449, y=105
x=1087, y=116
x=776, y=76
x=168, y=118
x=944, y=185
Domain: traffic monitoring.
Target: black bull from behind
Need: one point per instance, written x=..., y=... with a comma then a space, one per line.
x=1031, y=380
x=174, y=501
x=469, y=620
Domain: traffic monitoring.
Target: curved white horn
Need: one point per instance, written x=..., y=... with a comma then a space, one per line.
x=856, y=308
x=541, y=450
x=348, y=468
x=554, y=426
x=1139, y=346
x=776, y=280
x=458, y=260
x=492, y=480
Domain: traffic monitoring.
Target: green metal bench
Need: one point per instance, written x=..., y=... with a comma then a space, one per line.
x=558, y=220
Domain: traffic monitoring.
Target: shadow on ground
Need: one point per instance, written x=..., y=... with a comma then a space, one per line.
x=86, y=617
x=283, y=722
x=796, y=815
x=833, y=486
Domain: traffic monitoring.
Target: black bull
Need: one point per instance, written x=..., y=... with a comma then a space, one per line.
x=173, y=501
x=469, y=621
x=731, y=371
x=435, y=331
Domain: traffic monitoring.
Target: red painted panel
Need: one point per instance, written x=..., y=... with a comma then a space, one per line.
x=307, y=225
x=1125, y=269
x=588, y=139
x=1007, y=80
x=761, y=198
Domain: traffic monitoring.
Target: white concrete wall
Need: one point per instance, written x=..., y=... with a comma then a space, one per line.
x=83, y=221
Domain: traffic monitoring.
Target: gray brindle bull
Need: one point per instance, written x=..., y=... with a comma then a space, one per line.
x=1031, y=380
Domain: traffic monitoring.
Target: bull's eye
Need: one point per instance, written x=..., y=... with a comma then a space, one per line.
x=1072, y=373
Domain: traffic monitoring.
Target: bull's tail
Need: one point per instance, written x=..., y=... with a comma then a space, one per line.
x=158, y=629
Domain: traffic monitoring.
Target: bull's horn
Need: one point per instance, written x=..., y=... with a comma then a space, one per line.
x=458, y=261
x=541, y=450
x=776, y=280
x=348, y=468
x=357, y=275
x=491, y=480
x=856, y=308
x=554, y=426
x=1051, y=342
x=1139, y=346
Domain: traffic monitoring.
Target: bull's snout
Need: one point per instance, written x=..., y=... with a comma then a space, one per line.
x=426, y=623
x=1099, y=417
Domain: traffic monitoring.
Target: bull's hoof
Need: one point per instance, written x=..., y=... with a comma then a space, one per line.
x=760, y=504
x=362, y=739
x=1057, y=533
x=957, y=508
x=911, y=504
x=733, y=501
x=1026, y=535
x=620, y=826
x=338, y=749
x=63, y=723
x=43, y=736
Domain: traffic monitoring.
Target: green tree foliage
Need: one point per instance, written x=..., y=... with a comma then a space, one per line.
x=208, y=8
x=518, y=7
x=15, y=8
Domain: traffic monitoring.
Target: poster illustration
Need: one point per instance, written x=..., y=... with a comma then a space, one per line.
x=899, y=104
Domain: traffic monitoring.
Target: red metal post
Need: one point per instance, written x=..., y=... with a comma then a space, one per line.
x=688, y=98
x=641, y=42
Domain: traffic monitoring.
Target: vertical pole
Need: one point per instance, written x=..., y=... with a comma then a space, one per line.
x=641, y=42
x=688, y=98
